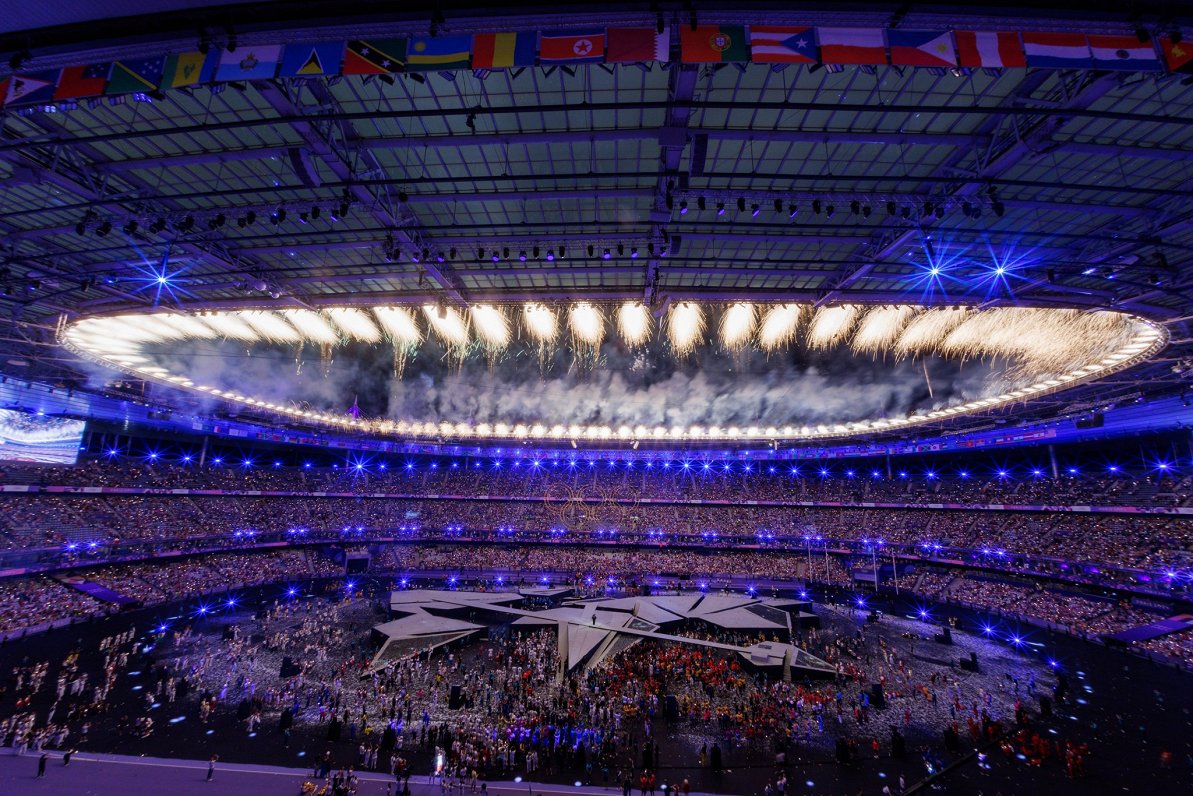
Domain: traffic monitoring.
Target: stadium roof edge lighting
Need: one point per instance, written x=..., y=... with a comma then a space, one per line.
x=1128, y=341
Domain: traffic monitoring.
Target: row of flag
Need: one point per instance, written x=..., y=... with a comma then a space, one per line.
x=769, y=44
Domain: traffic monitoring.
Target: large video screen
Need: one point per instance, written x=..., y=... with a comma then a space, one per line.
x=26, y=437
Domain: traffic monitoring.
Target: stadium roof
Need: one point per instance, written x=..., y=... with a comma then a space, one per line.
x=849, y=184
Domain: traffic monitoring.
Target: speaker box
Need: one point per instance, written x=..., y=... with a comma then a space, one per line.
x=877, y=697
x=970, y=664
x=945, y=636
x=289, y=668
x=672, y=708
x=454, y=702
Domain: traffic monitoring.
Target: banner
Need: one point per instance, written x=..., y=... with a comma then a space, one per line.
x=713, y=44
x=782, y=44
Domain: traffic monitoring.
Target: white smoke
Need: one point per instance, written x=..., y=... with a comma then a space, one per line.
x=623, y=390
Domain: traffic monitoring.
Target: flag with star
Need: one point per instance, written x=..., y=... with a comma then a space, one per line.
x=136, y=75
x=77, y=82
x=375, y=57
x=922, y=48
x=314, y=59
x=782, y=44
x=1178, y=56
x=572, y=46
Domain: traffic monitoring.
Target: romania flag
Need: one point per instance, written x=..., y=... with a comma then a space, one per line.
x=503, y=50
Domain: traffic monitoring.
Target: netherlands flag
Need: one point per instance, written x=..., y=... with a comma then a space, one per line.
x=1057, y=50
x=991, y=50
x=1124, y=53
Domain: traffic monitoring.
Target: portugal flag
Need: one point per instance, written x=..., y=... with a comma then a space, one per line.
x=713, y=44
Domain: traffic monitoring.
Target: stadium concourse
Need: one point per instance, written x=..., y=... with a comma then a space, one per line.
x=661, y=397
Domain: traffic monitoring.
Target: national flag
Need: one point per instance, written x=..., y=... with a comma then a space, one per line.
x=313, y=59
x=713, y=44
x=921, y=48
x=989, y=49
x=634, y=45
x=376, y=57
x=427, y=53
x=32, y=88
x=782, y=44
x=1124, y=54
x=863, y=46
x=1057, y=50
x=77, y=82
x=189, y=69
x=574, y=46
x=504, y=50
x=259, y=62
x=1178, y=56
x=136, y=76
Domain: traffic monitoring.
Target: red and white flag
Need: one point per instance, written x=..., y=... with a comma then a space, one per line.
x=989, y=49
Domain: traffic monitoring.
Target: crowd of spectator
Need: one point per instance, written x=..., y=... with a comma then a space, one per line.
x=30, y=602
x=27, y=602
x=668, y=479
x=597, y=523
x=1094, y=547
x=33, y=602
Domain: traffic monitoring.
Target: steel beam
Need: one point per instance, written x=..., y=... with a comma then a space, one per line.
x=609, y=110
x=1022, y=147
x=393, y=221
